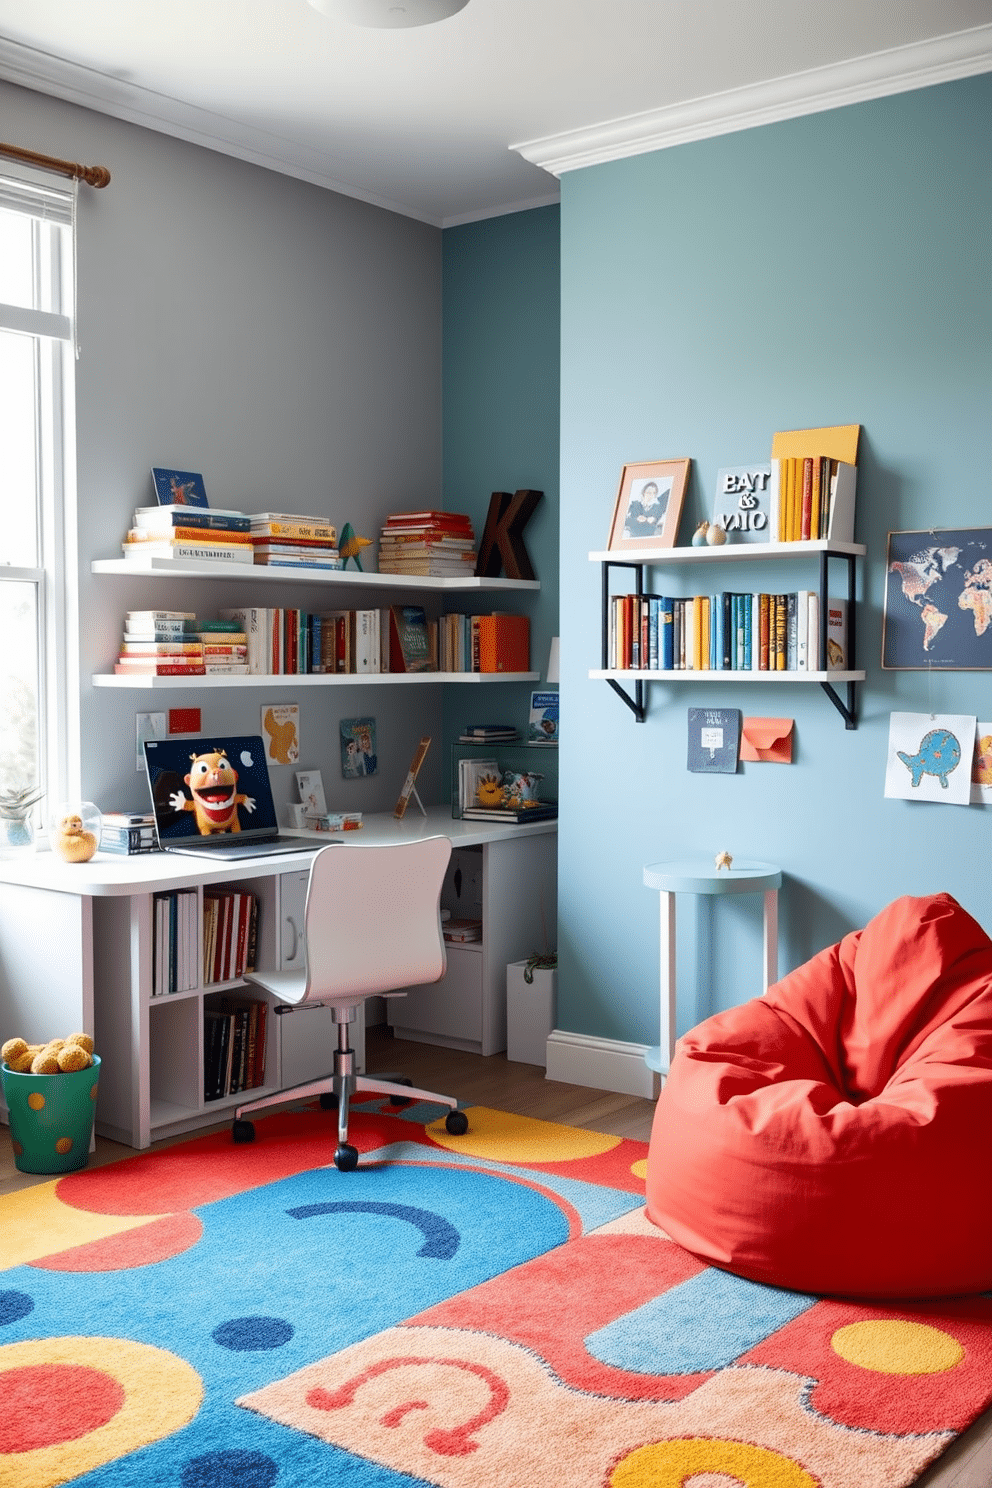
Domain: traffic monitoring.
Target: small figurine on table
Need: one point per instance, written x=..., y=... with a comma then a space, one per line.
x=723, y=860
x=350, y=545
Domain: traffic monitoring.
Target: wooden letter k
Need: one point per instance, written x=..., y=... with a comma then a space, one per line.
x=502, y=540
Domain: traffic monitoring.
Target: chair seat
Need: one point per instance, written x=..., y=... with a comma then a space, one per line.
x=832, y=1137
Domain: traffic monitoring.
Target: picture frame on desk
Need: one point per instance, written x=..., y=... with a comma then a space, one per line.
x=178, y=487
x=648, y=507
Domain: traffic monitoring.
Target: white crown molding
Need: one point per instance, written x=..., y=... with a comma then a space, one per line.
x=877, y=75
x=106, y=94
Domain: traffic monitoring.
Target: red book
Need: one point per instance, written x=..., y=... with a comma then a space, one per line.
x=129, y=666
x=504, y=643
x=806, y=512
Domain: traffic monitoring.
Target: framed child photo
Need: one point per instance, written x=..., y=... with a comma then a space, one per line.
x=648, y=505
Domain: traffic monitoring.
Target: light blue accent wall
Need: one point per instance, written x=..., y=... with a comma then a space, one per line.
x=500, y=358
x=826, y=270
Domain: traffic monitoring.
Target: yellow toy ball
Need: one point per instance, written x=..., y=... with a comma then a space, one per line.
x=72, y=1057
x=83, y=1040
x=45, y=1063
x=13, y=1049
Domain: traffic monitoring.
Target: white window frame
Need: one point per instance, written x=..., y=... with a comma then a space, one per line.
x=55, y=576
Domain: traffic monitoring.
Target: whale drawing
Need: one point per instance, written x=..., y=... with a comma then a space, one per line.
x=939, y=753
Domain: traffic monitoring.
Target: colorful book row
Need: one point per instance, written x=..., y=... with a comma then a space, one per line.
x=726, y=632
x=229, y=932
x=174, y=942
x=233, y=1046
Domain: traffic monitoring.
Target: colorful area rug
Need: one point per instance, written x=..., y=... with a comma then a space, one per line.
x=487, y=1311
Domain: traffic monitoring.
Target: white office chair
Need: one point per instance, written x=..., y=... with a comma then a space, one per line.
x=372, y=923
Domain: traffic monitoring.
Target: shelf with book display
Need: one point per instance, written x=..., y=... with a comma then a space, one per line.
x=344, y=581
x=847, y=553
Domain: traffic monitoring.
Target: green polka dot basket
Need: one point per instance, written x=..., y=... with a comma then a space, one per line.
x=51, y=1118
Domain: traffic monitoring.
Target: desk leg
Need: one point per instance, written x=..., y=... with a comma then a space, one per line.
x=666, y=1036
x=771, y=938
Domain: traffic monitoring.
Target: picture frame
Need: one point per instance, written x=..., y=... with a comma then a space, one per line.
x=409, y=787
x=648, y=507
x=938, y=600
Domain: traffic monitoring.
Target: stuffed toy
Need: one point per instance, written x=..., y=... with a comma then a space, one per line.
x=58, y=1056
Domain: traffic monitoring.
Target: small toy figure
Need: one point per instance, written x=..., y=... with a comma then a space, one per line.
x=212, y=780
x=723, y=860
x=350, y=545
x=72, y=842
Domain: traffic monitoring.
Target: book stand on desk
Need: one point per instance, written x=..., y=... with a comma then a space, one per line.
x=696, y=876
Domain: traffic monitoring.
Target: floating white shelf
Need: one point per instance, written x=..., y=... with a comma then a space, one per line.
x=310, y=679
x=257, y=573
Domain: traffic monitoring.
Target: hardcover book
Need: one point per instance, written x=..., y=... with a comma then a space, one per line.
x=543, y=725
x=178, y=487
x=504, y=643
x=409, y=639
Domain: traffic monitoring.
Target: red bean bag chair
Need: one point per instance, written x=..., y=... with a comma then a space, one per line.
x=835, y=1135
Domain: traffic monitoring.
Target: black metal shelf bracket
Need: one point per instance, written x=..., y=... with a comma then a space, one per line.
x=847, y=711
x=635, y=703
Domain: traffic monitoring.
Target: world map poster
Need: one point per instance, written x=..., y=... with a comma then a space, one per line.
x=938, y=600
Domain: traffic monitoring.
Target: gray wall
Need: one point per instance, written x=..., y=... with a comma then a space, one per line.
x=282, y=340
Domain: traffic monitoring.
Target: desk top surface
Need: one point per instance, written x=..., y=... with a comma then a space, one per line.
x=110, y=875
x=701, y=876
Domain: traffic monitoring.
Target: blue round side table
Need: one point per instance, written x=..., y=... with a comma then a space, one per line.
x=697, y=876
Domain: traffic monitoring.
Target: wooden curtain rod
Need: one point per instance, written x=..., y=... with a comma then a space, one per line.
x=93, y=175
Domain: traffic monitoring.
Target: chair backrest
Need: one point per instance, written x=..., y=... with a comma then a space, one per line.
x=372, y=919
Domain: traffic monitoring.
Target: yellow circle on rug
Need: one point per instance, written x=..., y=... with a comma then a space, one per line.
x=668, y=1464
x=640, y=1168
x=504, y=1138
x=894, y=1346
x=161, y=1394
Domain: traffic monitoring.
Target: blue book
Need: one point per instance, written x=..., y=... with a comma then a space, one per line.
x=178, y=487
x=714, y=611
x=666, y=634
x=747, y=608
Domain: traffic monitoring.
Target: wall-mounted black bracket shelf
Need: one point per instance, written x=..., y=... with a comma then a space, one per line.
x=635, y=703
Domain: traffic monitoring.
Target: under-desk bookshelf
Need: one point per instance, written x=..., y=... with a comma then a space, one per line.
x=844, y=554
x=328, y=588
x=77, y=951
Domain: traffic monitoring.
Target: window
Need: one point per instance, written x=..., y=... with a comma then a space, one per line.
x=36, y=417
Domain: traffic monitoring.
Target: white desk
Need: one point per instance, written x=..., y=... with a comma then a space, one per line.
x=697, y=876
x=76, y=954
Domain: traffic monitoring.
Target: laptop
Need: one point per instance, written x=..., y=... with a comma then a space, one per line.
x=212, y=798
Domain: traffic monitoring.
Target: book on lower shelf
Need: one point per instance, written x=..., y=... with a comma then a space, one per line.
x=726, y=632
x=534, y=812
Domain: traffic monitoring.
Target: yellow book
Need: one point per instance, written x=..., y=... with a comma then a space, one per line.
x=839, y=442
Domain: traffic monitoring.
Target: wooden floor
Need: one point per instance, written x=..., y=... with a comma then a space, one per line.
x=523, y=1089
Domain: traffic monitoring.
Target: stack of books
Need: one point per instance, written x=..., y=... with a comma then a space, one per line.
x=233, y=1046
x=484, y=733
x=157, y=643
x=225, y=646
x=428, y=544
x=128, y=832
x=188, y=534
x=285, y=540
x=174, y=643
x=462, y=932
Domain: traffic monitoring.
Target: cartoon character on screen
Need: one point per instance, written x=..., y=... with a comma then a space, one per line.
x=213, y=782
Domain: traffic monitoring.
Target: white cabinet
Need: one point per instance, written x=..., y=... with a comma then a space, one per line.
x=511, y=885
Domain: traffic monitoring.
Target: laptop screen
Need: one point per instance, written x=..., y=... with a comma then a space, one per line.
x=210, y=788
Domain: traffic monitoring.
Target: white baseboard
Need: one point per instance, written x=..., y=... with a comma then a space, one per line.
x=605, y=1064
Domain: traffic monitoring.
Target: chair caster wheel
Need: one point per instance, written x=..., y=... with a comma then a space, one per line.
x=243, y=1131
x=346, y=1159
x=456, y=1122
x=328, y=1101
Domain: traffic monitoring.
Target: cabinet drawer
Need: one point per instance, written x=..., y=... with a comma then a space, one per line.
x=452, y=1006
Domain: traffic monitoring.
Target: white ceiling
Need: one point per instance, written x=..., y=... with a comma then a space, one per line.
x=477, y=114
